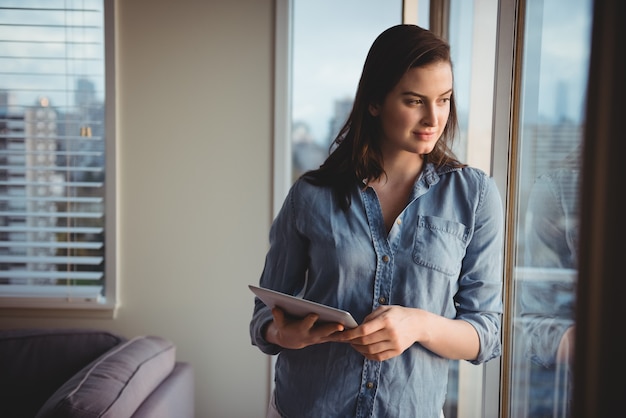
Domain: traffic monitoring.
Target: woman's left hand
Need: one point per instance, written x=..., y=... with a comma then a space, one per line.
x=385, y=333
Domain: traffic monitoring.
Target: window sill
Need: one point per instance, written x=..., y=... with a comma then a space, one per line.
x=50, y=309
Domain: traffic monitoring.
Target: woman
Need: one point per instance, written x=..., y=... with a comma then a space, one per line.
x=395, y=230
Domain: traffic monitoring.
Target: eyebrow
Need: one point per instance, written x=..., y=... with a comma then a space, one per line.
x=412, y=93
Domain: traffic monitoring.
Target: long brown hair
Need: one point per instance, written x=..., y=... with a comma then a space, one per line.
x=356, y=153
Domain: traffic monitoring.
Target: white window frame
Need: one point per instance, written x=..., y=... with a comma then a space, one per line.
x=108, y=302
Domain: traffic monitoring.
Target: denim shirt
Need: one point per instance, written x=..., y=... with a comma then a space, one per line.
x=443, y=254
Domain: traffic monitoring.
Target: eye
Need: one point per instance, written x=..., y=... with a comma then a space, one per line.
x=415, y=102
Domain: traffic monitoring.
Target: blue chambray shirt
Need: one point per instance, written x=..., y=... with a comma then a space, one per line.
x=443, y=254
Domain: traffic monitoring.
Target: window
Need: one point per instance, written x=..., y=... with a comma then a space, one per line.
x=520, y=80
x=56, y=144
x=554, y=69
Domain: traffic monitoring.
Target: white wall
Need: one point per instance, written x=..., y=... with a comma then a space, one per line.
x=195, y=164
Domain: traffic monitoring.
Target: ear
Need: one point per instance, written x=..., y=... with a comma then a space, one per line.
x=374, y=109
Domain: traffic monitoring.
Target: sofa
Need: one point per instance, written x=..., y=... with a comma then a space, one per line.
x=54, y=373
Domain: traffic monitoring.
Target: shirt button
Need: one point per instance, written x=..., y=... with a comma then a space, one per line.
x=386, y=258
x=369, y=385
x=382, y=300
x=399, y=221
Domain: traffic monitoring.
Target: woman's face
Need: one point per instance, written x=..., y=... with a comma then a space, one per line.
x=415, y=112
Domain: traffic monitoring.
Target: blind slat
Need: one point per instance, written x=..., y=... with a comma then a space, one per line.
x=66, y=199
x=54, y=168
x=51, y=275
x=34, y=291
x=60, y=244
x=69, y=230
x=44, y=214
x=76, y=137
x=48, y=184
x=55, y=153
x=51, y=260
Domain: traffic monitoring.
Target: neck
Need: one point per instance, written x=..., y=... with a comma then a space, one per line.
x=402, y=169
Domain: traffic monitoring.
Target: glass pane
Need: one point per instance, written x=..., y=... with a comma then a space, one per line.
x=554, y=76
x=52, y=149
x=460, y=39
x=472, y=28
x=330, y=41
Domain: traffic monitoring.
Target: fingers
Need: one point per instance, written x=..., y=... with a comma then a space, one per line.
x=283, y=320
x=385, y=333
x=298, y=333
x=279, y=316
x=363, y=334
x=328, y=330
x=379, y=351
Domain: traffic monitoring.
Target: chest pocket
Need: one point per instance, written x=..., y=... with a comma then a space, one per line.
x=440, y=244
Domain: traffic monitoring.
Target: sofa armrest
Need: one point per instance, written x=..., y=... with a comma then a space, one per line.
x=115, y=384
x=173, y=398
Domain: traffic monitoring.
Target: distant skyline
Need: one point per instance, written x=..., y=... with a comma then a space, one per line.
x=327, y=58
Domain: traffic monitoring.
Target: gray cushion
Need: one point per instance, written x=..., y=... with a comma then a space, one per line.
x=115, y=384
x=35, y=362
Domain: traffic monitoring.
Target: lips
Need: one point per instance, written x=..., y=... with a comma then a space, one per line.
x=425, y=135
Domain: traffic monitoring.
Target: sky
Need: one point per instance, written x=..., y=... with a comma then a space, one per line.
x=330, y=43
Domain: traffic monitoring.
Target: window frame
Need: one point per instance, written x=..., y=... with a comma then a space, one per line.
x=18, y=306
x=504, y=158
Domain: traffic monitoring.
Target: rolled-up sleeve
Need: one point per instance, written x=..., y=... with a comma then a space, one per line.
x=284, y=270
x=479, y=298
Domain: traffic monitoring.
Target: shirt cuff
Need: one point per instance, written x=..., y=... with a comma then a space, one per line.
x=261, y=320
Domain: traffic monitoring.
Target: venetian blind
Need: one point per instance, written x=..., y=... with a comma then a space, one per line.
x=52, y=152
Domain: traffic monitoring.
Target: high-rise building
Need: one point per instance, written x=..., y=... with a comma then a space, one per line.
x=28, y=184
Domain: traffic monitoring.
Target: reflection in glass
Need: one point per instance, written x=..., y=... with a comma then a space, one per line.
x=556, y=55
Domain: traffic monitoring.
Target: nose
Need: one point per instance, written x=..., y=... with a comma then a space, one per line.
x=429, y=117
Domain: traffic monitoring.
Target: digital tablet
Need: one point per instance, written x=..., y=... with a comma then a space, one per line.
x=299, y=307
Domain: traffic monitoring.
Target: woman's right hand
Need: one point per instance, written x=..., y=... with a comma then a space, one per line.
x=293, y=333
x=565, y=352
